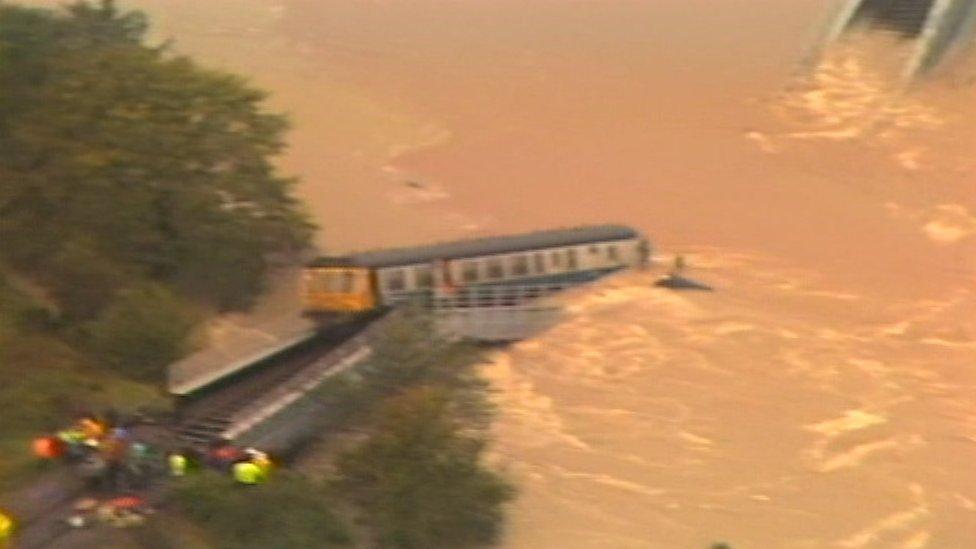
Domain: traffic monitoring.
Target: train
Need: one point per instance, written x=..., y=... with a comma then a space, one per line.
x=371, y=281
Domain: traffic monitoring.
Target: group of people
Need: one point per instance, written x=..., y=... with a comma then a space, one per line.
x=248, y=467
x=112, y=458
x=103, y=449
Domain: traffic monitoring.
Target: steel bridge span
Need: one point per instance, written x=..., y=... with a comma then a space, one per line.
x=938, y=29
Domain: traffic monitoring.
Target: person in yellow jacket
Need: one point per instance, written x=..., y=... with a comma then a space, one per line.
x=178, y=464
x=247, y=473
x=6, y=530
x=261, y=459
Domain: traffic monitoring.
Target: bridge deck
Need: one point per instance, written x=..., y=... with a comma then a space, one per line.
x=236, y=352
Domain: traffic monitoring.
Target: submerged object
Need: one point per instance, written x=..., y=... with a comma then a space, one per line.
x=937, y=29
x=677, y=282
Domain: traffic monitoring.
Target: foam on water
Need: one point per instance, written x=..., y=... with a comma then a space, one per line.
x=731, y=403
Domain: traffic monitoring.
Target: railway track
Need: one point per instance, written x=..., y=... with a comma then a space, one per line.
x=203, y=419
x=42, y=509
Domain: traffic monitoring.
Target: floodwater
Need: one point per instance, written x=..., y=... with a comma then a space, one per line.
x=823, y=396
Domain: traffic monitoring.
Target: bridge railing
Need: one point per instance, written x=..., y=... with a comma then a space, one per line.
x=497, y=313
x=494, y=296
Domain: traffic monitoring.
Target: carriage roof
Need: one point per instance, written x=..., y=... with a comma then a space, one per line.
x=482, y=246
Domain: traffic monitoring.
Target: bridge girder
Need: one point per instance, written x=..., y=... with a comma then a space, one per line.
x=937, y=28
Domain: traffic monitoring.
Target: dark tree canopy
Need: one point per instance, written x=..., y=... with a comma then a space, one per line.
x=122, y=161
x=420, y=480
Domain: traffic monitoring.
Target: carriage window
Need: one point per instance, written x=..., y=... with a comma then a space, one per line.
x=423, y=277
x=557, y=259
x=520, y=265
x=396, y=281
x=540, y=263
x=612, y=253
x=469, y=271
x=495, y=268
x=332, y=282
x=571, y=259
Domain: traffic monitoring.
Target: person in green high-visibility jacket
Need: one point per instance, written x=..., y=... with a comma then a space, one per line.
x=247, y=473
x=6, y=530
x=178, y=464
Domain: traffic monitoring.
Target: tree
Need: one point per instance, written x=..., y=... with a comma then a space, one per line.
x=145, y=329
x=410, y=351
x=420, y=480
x=290, y=511
x=160, y=165
x=81, y=280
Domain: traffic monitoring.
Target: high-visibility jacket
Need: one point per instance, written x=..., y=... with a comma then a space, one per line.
x=48, y=447
x=246, y=472
x=72, y=436
x=263, y=462
x=178, y=465
x=92, y=428
x=6, y=529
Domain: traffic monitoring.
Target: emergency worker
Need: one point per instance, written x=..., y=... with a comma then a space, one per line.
x=261, y=459
x=139, y=464
x=178, y=464
x=48, y=447
x=115, y=452
x=6, y=530
x=246, y=473
x=222, y=455
x=91, y=427
x=72, y=439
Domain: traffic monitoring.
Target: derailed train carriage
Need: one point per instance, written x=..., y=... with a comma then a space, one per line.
x=369, y=281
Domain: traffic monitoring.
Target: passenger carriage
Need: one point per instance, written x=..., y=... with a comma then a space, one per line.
x=371, y=280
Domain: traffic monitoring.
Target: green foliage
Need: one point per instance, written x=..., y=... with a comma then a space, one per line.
x=420, y=480
x=43, y=382
x=81, y=281
x=289, y=511
x=144, y=158
x=17, y=310
x=41, y=396
x=408, y=353
x=136, y=189
x=145, y=329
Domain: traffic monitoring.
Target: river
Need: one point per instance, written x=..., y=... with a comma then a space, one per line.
x=822, y=396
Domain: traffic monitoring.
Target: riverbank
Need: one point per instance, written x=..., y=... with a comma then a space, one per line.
x=398, y=462
x=684, y=118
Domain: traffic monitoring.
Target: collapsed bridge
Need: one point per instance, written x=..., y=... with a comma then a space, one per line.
x=937, y=29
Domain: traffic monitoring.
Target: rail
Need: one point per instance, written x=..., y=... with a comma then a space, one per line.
x=340, y=359
x=498, y=313
x=495, y=296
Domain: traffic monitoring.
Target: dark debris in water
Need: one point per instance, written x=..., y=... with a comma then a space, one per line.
x=675, y=282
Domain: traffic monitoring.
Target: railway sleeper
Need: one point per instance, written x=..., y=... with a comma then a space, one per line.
x=215, y=421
